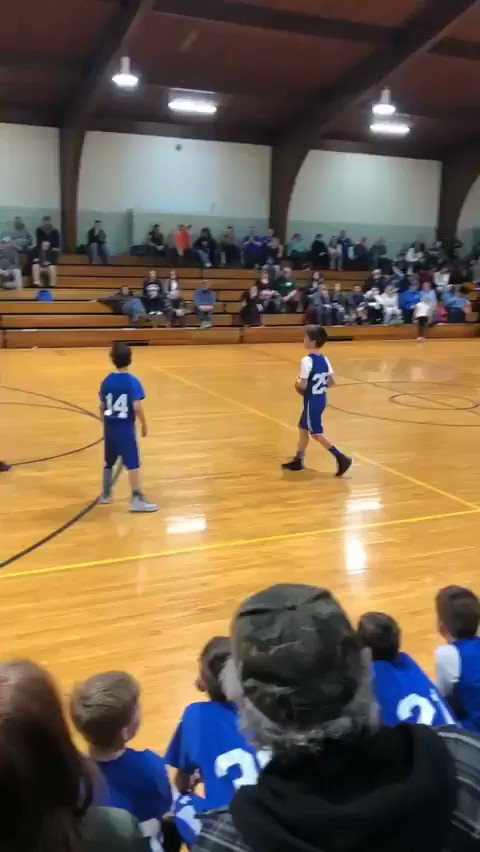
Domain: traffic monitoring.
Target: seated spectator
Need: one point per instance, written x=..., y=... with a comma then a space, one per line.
x=253, y=249
x=156, y=244
x=361, y=255
x=374, y=306
x=319, y=253
x=268, y=296
x=204, y=302
x=44, y=265
x=458, y=662
x=375, y=279
x=46, y=233
x=408, y=299
x=229, y=247
x=451, y=246
x=346, y=247
x=47, y=785
x=206, y=248
x=286, y=287
x=172, y=284
x=250, y=313
x=154, y=299
x=125, y=302
x=337, y=778
x=392, y=315
x=335, y=254
x=458, y=304
x=297, y=251
x=309, y=289
x=208, y=745
x=441, y=278
x=403, y=691
x=435, y=254
x=339, y=304
x=272, y=249
x=97, y=244
x=357, y=306
x=178, y=310
x=22, y=238
x=320, y=309
x=10, y=272
x=379, y=255
x=183, y=242
x=415, y=257
x=422, y=316
x=106, y=711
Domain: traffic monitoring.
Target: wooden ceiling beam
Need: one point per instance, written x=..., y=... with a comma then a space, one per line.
x=209, y=131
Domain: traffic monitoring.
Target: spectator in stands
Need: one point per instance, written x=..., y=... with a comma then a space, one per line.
x=269, y=297
x=458, y=662
x=403, y=691
x=172, y=284
x=22, y=238
x=297, y=251
x=46, y=253
x=457, y=304
x=208, y=744
x=408, y=299
x=97, y=244
x=47, y=786
x=156, y=244
x=357, y=305
x=10, y=272
x=423, y=315
x=183, y=242
x=229, y=247
x=272, y=249
x=441, y=278
x=286, y=287
x=339, y=304
x=320, y=309
x=335, y=254
x=125, y=302
x=253, y=248
x=46, y=233
x=204, y=302
x=361, y=255
x=392, y=314
x=206, y=248
x=251, y=309
x=337, y=778
x=319, y=253
x=106, y=710
x=178, y=309
x=374, y=306
x=450, y=246
x=308, y=290
x=415, y=256
x=346, y=247
x=435, y=254
x=154, y=299
x=379, y=254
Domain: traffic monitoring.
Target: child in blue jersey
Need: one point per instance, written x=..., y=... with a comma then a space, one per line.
x=121, y=396
x=106, y=711
x=208, y=747
x=403, y=691
x=316, y=376
x=458, y=662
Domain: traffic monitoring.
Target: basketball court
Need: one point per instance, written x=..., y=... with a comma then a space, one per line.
x=86, y=587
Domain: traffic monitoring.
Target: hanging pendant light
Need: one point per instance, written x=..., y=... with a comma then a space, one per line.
x=124, y=79
x=384, y=107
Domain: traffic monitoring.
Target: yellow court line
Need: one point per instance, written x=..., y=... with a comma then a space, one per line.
x=242, y=542
x=359, y=456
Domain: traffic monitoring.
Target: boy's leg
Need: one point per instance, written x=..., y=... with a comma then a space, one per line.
x=297, y=462
x=344, y=462
x=111, y=456
x=131, y=460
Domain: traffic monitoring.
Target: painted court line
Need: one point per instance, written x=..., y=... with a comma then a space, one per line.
x=234, y=543
x=361, y=457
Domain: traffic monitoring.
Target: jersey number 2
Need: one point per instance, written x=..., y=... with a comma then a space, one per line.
x=119, y=408
x=244, y=761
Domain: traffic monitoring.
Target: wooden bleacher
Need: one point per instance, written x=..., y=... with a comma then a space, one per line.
x=76, y=318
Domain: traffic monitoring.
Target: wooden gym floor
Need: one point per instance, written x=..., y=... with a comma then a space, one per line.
x=114, y=590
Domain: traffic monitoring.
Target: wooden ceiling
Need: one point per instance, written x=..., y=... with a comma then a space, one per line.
x=271, y=65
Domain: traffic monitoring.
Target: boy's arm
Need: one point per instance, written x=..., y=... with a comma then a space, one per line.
x=447, y=665
x=140, y=413
x=305, y=370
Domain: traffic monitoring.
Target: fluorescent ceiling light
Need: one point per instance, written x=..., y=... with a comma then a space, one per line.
x=390, y=128
x=384, y=106
x=125, y=79
x=193, y=105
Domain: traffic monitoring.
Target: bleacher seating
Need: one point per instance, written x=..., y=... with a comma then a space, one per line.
x=74, y=318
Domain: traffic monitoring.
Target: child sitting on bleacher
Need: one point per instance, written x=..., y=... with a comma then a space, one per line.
x=106, y=711
x=458, y=662
x=403, y=691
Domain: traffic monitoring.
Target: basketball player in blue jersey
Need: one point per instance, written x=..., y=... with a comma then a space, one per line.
x=316, y=376
x=403, y=691
x=121, y=396
x=458, y=662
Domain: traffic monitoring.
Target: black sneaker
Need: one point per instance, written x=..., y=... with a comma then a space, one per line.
x=343, y=465
x=4, y=467
x=295, y=464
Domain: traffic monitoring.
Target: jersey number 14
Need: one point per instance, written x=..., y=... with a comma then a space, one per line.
x=119, y=408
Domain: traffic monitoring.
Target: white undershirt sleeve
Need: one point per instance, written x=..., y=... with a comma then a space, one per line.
x=329, y=366
x=305, y=368
x=447, y=664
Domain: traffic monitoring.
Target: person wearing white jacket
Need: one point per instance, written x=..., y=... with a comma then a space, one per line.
x=389, y=302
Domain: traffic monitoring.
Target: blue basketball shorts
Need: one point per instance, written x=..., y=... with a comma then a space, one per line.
x=311, y=418
x=122, y=444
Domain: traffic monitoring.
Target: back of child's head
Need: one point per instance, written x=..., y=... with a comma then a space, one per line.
x=104, y=709
x=212, y=660
x=458, y=611
x=380, y=633
x=317, y=335
x=121, y=354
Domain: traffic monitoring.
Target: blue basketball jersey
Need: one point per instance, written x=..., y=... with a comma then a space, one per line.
x=404, y=693
x=467, y=690
x=208, y=740
x=119, y=392
x=317, y=382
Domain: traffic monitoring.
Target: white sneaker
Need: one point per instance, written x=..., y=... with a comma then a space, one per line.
x=104, y=500
x=139, y=504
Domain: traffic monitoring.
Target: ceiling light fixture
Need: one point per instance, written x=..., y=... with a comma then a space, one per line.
x=384, y=105
x=390, y=128
x=192, y=105
x=125, y=79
